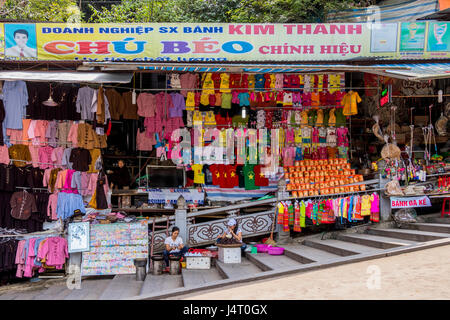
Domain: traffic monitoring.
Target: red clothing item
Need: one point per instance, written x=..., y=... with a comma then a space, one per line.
x=197, y=97
x=216, y=79
x=233, y=178
x=223, y=179
x=244, y=83
x=216, y=174
x=260, y=179
x=267, y=81
x=235, y=80
x=294, y=81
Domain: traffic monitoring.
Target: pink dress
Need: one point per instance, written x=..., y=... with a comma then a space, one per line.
x=375, y=206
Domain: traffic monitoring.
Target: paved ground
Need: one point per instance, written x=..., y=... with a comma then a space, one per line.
x=418, y=275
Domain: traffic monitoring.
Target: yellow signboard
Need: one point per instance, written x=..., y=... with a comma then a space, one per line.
x=221, y=42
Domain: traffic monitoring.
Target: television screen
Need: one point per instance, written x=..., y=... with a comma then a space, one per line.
x=165, y=177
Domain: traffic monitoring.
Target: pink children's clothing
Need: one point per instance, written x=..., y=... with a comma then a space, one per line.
x=289, y=156
x=143, y=142
x=375, y=206
x=57, y=155
x=342, y=137
x=73, y=135
x=146, y=105
x=15, y=136
x=68, y=183
x=34, y=151
x=45, y=157
x=4, y=154
x=315, y=135
x=52, y=205
x=55, y=252
x=20, y=258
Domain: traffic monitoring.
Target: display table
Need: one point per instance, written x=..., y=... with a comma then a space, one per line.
x=113, y=248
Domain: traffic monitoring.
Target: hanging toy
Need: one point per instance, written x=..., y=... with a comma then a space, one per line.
x=376, y=129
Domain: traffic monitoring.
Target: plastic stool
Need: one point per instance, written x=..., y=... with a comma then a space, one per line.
x=445, y=212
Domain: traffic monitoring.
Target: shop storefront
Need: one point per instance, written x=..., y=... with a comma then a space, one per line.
x=100, y=156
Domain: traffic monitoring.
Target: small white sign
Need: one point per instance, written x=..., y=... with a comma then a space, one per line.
x=79, y=238
x=410, y=202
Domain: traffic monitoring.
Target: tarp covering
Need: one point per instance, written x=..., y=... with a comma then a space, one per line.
x=70, y=77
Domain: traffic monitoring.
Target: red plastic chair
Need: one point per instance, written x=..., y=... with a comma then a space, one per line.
x=444, y=211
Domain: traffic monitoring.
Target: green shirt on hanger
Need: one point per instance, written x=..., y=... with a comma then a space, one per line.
x=340, y=118
x=249, y=176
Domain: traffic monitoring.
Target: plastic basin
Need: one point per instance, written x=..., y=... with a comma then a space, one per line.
x=275, y=251
x=262, y=247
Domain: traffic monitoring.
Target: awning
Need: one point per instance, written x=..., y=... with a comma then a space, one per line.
x=67, y=76
x=423, y=71
x=223, y=67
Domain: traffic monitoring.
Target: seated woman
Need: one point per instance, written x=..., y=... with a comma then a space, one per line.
x=233, y=231
x=174, y=246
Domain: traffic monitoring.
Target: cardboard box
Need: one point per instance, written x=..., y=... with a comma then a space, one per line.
x=420, y=120
x=405, y=129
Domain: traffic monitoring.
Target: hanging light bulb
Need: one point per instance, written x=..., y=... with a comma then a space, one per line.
x=50, y=102
x=244, y=112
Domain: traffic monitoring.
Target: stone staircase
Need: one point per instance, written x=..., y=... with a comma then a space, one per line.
x=310, y=254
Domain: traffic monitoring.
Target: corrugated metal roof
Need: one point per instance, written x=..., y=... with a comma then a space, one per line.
x=422, y=71
x=387, y=11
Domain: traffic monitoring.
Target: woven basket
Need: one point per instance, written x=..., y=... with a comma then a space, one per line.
x=390, y=151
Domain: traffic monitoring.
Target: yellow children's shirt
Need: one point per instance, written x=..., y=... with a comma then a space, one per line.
x=208, y=84
x=204, y=99
x=197, y=118
x=365, y=205
x=349, y=102
x=332, y=119
x=251, y=81
x=319, y=121
x=199, y=176
x=304, y=116
x=272, y=80
x=190, y=101
x=224, y=82
x=298, y=135
x=334, y=82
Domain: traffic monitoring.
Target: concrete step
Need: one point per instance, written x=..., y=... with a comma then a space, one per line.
x=194, y=278
x=54, y=292
x=267, y=262
x=340, y=248
x=445, y=220
x=414, y=235
x=305, y=254
x=430, y=227
x=237, y=270
x=157, y=284
x=90, y=289
x=122, y=286
x=374, y=241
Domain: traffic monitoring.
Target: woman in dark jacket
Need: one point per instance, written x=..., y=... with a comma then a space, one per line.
x=120, y=179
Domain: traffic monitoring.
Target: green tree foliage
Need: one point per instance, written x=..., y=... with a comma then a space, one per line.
x=240, y=11
x=40, y=10
x=135, y=11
